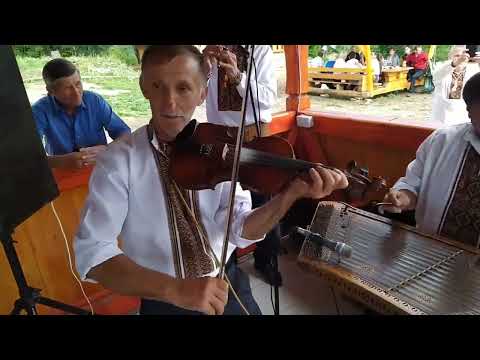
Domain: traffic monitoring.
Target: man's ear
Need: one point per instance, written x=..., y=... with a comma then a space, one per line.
x=143, y=88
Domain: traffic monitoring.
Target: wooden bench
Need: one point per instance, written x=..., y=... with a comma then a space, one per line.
x=338, y=76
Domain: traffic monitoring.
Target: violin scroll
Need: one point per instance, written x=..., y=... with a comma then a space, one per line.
x=362, y=189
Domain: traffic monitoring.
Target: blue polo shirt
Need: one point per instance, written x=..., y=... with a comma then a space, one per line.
x=64, y=134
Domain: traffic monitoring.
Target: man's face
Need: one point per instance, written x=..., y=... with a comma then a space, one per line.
x=474, y=114
x=457, y=54
x=392, y=52
x=407, y=50
x=174, y=89
x=419, y=50
x=68, y=90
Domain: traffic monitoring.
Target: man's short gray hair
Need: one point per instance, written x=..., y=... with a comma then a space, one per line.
x=165, y=53
x=56, y=69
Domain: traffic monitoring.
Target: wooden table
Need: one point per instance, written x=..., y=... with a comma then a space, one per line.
x=395, y=74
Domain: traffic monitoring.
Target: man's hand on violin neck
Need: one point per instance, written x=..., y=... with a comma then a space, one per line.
x=207, y=295
x=322, y=183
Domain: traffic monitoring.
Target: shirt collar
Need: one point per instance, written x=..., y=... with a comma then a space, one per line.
x=154, y=141
x=59, y=107
x=471, y=137
x=157, y=144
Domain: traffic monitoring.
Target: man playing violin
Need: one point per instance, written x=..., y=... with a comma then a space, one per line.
x=170, y=237
x=442, y=184
x=226, y=68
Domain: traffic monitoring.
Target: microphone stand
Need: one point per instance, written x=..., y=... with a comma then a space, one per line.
x=29, y=296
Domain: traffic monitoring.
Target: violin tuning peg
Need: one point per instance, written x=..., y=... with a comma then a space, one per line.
x=351, y=165
x=363, y=171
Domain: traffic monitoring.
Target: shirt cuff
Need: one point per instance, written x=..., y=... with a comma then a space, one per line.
x=237, y=239
x=405, y=186
x=93, y=257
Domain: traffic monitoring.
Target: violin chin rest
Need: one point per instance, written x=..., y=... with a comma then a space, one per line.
x=186, y=133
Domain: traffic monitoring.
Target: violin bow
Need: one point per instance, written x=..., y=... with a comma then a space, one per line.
x=236, y=166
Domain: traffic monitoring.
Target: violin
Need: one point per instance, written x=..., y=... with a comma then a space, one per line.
x=203, y=155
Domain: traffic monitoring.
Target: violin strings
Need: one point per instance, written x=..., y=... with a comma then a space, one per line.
x=262, y=158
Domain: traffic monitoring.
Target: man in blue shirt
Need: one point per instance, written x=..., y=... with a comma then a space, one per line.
x=70, y=121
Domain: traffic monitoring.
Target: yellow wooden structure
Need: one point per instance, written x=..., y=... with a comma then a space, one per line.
x=277, y=48
x=362, y=79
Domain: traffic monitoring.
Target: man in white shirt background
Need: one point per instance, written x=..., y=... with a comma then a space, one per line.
x=448, y=106
x=170, y=237
x=442, y=184
x=227, y=67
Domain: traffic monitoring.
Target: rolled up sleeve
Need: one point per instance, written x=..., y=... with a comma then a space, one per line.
x=242, y=209
x=102, y=218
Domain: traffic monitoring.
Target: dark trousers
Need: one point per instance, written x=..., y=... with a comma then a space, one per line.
x=415, y=75
x=266, y=249
x=240, y=283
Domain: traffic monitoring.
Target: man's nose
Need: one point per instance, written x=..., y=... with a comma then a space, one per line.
x=77, y=91
x=170, y=101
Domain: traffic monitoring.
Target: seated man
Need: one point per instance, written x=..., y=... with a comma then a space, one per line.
x=442, y=183
x=171, y=237
x=419, y=61
x=71, y=121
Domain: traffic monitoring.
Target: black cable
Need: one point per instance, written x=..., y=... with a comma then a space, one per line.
x=258, y=98
x=257, y=119
x=271, y=299
x=257, y=124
